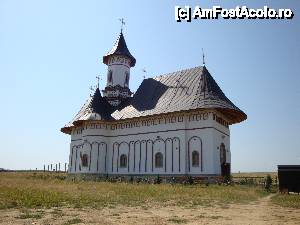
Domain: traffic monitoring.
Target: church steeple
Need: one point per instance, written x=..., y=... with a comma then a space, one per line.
x=119, y=61
x=119, y=49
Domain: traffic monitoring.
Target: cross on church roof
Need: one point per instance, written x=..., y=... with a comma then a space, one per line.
x=98, y=79
x=203, y=61
x=92, y=90
x=178, y=86
x=122, y=23
x=145, y=72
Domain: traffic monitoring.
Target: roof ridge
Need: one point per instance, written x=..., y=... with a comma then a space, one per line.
x=175, y=72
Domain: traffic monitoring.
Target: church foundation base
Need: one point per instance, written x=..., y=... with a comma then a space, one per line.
x=155, y=178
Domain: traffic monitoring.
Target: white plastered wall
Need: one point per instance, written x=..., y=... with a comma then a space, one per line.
x=175, y=141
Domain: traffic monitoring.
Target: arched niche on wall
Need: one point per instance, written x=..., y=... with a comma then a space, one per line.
x=195, y=145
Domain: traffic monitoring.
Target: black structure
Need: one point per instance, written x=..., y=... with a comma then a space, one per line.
x=96, y=107
x=289, y=178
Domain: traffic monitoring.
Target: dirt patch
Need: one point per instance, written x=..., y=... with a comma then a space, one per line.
x=259, y=212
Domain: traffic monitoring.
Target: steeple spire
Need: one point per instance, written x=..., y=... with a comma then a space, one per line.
x=118, y=61
x=119, y=49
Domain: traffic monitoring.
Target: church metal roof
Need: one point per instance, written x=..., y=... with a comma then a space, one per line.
x=95, y=108
x=179, y=91
x=185, y=90
x=120, y=48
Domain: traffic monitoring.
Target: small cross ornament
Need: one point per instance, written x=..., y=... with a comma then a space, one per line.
x=203, y=57
x=145, y=72
x=122, y=23
x=98, y=80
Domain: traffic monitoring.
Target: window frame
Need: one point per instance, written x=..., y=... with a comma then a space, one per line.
x=159, y=160
x=110, y=77
x=126, y=81
x=195, y=161
x=222, y=153
x=123, y=161
x=84, y=160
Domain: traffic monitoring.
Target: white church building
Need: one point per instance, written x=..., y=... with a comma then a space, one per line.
x=176, y=124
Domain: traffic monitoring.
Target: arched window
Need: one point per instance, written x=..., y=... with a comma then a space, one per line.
x=123, y=161
x=195, y=159
x=222, y=153
x=159, y=160
x=126, y=79
x=84, y=160
x=109, y=77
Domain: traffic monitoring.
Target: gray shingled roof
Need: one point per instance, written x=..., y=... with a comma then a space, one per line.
x=119, y=48
x=179, y=91
x=184, y=90
x=95, y=108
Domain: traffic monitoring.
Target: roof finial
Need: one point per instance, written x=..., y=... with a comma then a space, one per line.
x=98, y=79
x=145, y=73
x=122, y=24
x=92, y=90
x=203, y=57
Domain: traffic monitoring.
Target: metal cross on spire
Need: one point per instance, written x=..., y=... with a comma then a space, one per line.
x=122, y=23
x=98, y=79
x=203, y=57
x=92, y=90
x=145, y=73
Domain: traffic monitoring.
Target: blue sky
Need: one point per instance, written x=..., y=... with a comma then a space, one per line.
x=51, y=51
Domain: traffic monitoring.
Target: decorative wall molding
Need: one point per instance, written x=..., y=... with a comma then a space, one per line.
x=220, y=120
x=79, y=148
x=153, y=132
x=133, y=147
x=152, y=121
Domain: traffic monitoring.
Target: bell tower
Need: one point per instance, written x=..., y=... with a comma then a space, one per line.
x=118, y=61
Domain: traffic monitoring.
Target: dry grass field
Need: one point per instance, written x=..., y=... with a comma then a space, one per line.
x=255, y=174
x=44, y=198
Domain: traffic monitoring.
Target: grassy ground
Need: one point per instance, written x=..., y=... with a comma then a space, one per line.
x=292, y=200
x=44, y=190
x=285, y=200
x=48, y=198
x=254, y=174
